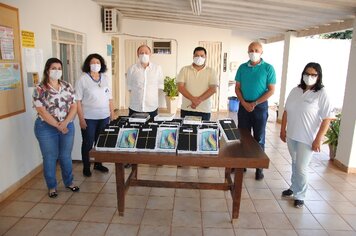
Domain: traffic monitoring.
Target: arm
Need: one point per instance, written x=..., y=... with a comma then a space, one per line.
x=47, y=117
x=248, y=106
x=181, y=88
x=111, y=107
x=82, y=123
x=283, y=133
x=70, y=116
x=266, y=95
x=322, y=130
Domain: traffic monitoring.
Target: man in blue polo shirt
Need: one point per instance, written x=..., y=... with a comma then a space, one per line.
x=255, y=82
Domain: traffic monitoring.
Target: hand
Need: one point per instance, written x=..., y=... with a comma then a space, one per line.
x=316, y=145
x=249, y=107
x=62, y=126
x=195, y=102
x=82, y=124
x=283, y=136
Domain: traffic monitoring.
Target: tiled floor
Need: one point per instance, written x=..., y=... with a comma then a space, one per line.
x=330, y=208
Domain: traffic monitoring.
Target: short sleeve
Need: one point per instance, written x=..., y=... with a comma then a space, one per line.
x=326, y=108
x=79, y=88
x=238, y=74
x=181, y=76
x=271, y=75
x=129, y=78
x=38, y=97
x=213, y=80
x=71, y=91
x=160, y=77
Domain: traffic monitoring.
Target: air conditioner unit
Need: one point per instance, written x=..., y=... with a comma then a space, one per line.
x=111, y=20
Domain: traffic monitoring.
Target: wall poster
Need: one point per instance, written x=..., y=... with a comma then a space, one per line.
x=12, y=99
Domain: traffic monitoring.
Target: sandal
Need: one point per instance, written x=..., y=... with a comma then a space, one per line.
x=73, y=189
x=53, y=194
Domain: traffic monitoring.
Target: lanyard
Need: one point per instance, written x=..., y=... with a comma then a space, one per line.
x=96, y=81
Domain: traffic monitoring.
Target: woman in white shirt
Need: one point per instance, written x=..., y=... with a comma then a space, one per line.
x=95, y=107
x=305, y=121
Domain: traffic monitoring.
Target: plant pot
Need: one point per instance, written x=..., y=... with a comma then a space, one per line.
x=332, y=152
x=172, y=104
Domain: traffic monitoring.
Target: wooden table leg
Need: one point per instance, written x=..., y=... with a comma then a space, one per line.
x=236, y=194
x=134, y=168
x=120, y=187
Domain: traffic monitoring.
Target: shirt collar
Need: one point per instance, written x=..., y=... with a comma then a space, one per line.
x=140, y=66
x=192, y=67
x=249, y=63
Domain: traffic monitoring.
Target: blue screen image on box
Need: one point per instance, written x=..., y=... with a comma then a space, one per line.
x=209, y=141
x=168, y=139
x=128, y=139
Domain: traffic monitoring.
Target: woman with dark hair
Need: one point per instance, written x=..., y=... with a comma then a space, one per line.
x=54, y=101
x=95, y=107
x=305, y=121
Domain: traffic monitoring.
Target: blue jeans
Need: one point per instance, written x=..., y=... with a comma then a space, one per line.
x=55, y=146
x=90, y=135
x=301, y=154
x=255, y=120
x=204, y=115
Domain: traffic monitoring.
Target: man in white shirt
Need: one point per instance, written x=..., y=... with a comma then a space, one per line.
x=144, y=80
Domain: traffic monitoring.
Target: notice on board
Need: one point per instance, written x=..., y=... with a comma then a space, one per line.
x=7, y=43
x=28, y=39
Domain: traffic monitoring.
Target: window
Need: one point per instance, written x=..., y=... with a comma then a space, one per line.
x=162, y=47
x=68, y=47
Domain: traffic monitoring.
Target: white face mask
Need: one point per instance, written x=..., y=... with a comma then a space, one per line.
x=199, y=61
x=144, y=58
x=55, y=74
x=254, y=56
x=310, y=80
x=95, y=67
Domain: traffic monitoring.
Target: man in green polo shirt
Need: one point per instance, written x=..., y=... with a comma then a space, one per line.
x=255, y=82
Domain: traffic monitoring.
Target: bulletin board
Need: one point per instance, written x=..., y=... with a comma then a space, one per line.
x=12, y=99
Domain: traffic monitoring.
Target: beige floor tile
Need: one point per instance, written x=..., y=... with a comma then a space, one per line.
x=281, y=232
x=280, y=183
x=157, y=218
x=160, y=203
x=164, y=171
x=187, y=172
x=132, y=201
x=341, y=233
x=38, y=184
x=248, y=221
x=313, y=232
x=162, y=192
x=90, y=229
x=246, y=205
x=187, y=219
x=91, y=187
x=32, y=195
x=147, y=230
x=216, y=219
x=109, y=188
x=208, y=173
x=71, y=212
x=350, y=195
x=120, y=229
x=139, y=191
x=287, y=206
x=6, y=222
x=16, y=208
x=257, y=194
x=61, y=199
x=58, y=228
x=187, y=204
x=212, y=204
x=212, y=194
x=193, y=193
x=43, y=211
x=250, y=232
x=131, y=216
x=343, y=207
x=267, y=205
x=106, y=200
x=319, y=207
x=251, y=183
x=185, y=231
x=218, y=231
x=146, y=170
x=275, y=221
x=350, y=219
x=332, y=222
x=99, y=214
x=304, y=221
x=27, y=227
x=81, y=198
x=331, y=195
x=98, y=177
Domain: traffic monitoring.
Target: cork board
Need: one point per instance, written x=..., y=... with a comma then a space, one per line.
x=12, y=101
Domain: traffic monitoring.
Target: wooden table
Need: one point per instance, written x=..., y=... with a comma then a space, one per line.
x=245, y=153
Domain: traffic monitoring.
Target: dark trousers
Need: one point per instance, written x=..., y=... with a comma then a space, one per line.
x=204, y=116
x=90, y=136
x=255, y=121
x=152, y=113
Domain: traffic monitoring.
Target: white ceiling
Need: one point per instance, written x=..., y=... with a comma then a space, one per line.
x=257, y=19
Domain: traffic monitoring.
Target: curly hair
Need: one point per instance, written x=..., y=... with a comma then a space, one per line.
x=86, y=65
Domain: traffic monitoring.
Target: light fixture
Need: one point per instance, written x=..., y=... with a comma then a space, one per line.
x=196, y=7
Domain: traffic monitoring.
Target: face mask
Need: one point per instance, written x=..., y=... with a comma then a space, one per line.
x=199, y=61
x=95, y=67
x=144, y=58
x=309, y=80
x=55, y=74
x=254, y=56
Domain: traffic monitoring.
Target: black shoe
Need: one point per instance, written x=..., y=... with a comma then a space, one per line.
x=259, y=174
x=287, y=193
x=73, y=189
x=298, y=203
x=86, y=172
x=126, y=166
x=245, y=169
x=101, y=168
x=53, y=194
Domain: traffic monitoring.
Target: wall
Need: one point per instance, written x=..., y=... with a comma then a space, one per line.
x=19, y=148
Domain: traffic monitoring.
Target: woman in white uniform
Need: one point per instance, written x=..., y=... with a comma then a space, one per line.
x=95, y=107
x=305, y=121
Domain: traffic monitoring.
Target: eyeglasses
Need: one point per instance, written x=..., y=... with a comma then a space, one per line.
x=312, y=75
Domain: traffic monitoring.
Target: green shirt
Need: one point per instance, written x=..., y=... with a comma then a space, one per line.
x=254, y=80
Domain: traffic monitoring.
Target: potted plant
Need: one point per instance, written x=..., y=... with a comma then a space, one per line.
x=171, y=90
x=332, y=136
